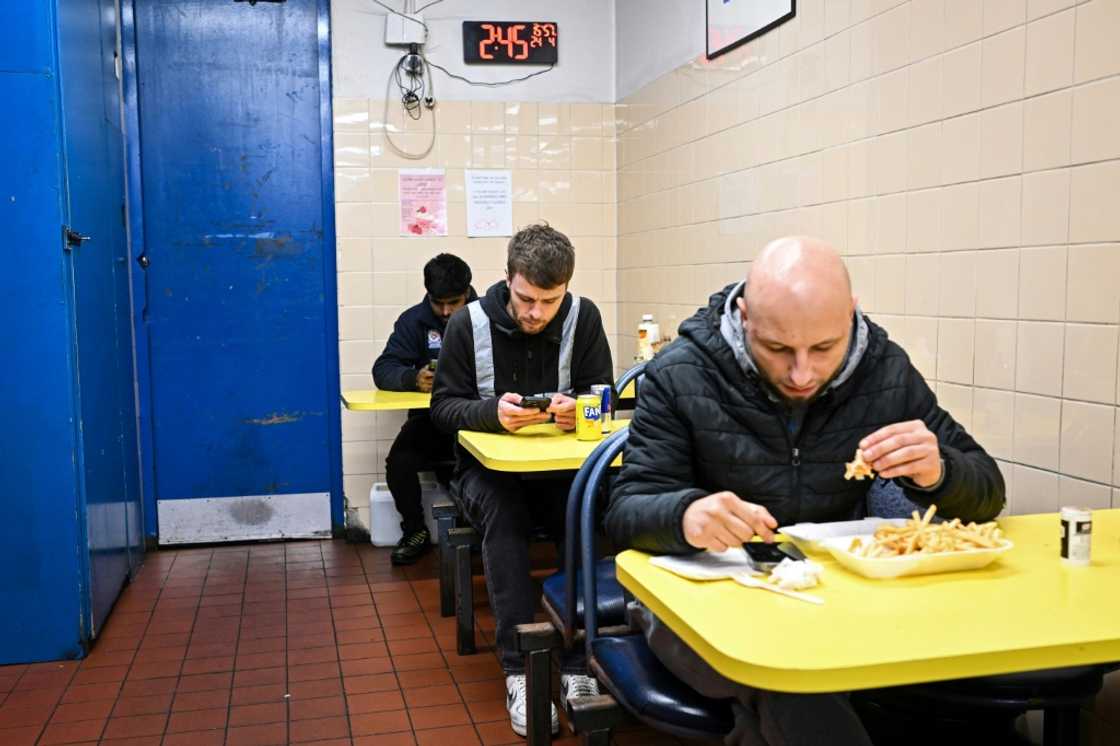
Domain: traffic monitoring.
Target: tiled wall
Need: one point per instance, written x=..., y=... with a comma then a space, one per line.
x=963, y=154
x=563, y=162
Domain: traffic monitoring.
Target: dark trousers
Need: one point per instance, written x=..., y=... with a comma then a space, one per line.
x=762, y=718
x=418, y=447
x=505, y=508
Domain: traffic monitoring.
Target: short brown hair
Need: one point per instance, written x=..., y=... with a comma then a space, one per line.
x=542, y=255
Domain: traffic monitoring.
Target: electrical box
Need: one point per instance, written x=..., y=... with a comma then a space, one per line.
x=402, y=30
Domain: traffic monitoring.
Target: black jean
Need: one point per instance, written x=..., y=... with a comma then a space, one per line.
x=419, y=447
x=505, y=508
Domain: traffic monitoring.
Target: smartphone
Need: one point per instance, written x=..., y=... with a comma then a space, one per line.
x=536, y=402
x=432, y=365
x=763, y=556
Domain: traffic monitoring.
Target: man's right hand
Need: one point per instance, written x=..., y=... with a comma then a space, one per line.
x=513, y=417
x=424, y=378
x=722, y=520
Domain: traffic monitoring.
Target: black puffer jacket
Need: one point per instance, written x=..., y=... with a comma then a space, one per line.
x=703, y=425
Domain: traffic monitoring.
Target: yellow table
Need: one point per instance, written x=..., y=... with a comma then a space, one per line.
x=375, y=400
x=1024, y=612
x=532, y=448
x=629, y=392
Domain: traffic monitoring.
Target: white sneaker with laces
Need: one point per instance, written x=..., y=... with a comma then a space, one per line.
x=516, y=705
x=574, y=685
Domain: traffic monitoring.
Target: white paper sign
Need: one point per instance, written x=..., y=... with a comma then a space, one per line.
x=489, y=203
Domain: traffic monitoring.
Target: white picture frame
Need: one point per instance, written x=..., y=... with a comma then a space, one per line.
x=732, y=23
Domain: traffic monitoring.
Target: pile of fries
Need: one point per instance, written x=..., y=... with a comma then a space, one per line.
x=919, y=536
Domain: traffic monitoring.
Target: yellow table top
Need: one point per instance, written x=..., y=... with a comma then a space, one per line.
x=375, y=400
x=532, y=448
x=1024, y=612
x=629, y=391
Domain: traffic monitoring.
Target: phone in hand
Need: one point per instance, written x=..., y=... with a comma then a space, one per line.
x=763, y=556
x=540, y=403
x=432, y=365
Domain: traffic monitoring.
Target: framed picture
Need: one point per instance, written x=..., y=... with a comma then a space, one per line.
x=731, y=23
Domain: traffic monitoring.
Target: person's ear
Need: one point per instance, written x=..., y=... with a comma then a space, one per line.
x=855, y=304
x=742, y=304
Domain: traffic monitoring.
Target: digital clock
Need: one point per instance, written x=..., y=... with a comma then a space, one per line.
x=510, y=42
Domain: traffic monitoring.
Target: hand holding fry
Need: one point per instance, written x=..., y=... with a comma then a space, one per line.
x=904, y=449
x=722, y=520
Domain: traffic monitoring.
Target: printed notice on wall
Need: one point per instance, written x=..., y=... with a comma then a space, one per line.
x=423, y=202
x=489, y=203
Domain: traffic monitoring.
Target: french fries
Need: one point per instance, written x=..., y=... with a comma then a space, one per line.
x=858, y=469
x=920, y=536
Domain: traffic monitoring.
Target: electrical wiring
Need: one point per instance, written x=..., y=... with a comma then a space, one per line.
x=412, y=101
x=487, y=83
x=394, y=11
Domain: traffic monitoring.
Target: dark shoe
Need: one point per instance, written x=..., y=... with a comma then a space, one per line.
x=411, y=547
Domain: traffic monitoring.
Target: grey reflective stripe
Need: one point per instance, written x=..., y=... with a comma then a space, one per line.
x=483, y=350
x=567, y=342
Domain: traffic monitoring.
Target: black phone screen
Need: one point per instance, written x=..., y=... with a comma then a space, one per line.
x=763, y=553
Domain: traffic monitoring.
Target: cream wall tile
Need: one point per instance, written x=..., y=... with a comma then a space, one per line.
x=521, y=118
x=837, y=63
x=1037, y=430
x=488, y=117
x=1000, y=212
x=956, y=350
x=957, y=401
x=587, y=119
x=1049, y=53
x=1038, y=358
x=350, y=114
x=862, y=272
x=1094, y=193
x=890, y=224
x=351, y=150
x=553, y=119
x=921, y=285
x=1116, y=461
x=995, y=354
x=385, y=182
x=1088, y=494
x=1046, y=131
x=1090, y=369
x=1096, y=121
x=391, y=289
x=353, y=185
x=554, y=186
x=891, y=37
x=888, y=163
x=1007, y=471
x=834, y=174
x=997, y=273
x=1045, y=207
x=960, y=216
x=356, y=356
x=1036, y=491
x=963, y=22
x=837, y=16
x=355, y=322
x=1042, y=283
x=924, y=149
x=961, y=80
x=1087, y=447
x=927, y=29
x=993, y=416
x=958, y=283
x=1039, y=8
x=890, y=96
x=890, y=284
x=1000, y=15
x=1002, y=71
x=861, y=226
x=353, y=220
x=1093, y=293
x=921, y=344
x=555, y=152
x=961, y=154
x=587, y=153
x=1097, y=53
x=355, y=255
x=923, y=220
x=925, y=97
x=1001, y=140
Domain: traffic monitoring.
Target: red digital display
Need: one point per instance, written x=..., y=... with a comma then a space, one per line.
x=510, y=42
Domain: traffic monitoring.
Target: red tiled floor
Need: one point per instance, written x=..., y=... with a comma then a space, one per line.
x=265, y=645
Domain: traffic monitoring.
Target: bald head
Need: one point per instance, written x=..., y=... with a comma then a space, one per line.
x=797, y=271
x=797, y=314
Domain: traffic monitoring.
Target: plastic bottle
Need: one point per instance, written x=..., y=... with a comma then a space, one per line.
x=649, y=333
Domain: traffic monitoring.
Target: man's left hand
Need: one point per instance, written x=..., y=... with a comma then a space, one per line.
x=563, y=409
x=904, y=449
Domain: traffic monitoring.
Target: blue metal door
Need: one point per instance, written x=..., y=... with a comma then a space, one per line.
x=237, y=305
x=94, y=206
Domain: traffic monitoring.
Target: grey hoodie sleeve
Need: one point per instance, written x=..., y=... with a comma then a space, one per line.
x=657, y=483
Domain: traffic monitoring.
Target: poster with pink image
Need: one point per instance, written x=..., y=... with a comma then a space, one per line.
x=423, y=194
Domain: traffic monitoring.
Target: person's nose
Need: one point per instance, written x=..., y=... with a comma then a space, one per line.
x=801, y=375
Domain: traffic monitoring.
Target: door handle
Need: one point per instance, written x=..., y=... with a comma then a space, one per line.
x=73, y=238
x=143, y=261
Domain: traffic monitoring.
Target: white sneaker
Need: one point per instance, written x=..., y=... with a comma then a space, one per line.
x=516, y=704
x=573, y=686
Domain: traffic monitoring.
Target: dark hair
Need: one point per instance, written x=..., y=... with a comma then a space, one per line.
x=445, y=276
x=542, y=255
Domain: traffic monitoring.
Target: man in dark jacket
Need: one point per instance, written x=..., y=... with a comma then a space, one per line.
x=745, y=423
x=527, y=335
x=408, y=364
